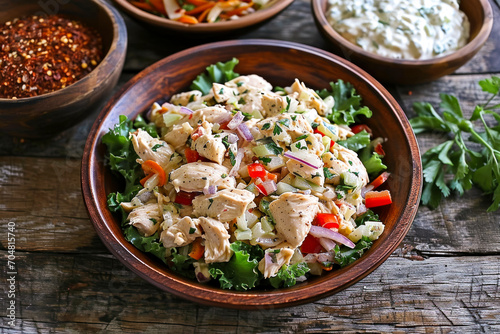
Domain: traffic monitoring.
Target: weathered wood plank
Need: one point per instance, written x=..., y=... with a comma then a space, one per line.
x=88, y=293
x=43, y=198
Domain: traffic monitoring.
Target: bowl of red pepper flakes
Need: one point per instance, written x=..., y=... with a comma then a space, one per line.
x=57, y=64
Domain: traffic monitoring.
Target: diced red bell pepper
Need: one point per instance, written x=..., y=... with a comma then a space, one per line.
x=377, y=198
x=317, y=131
x=184, y=198
x=311, y=245
x=380, y=180
x=327, y=220
x=360, y=127
x=256, y=170
x=191, y=155
x=379, y=150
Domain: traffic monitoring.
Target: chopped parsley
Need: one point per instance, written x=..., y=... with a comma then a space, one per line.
x=293, y=117
x=329, y=175
x=285, y=122
x=223, y=176
x=232, y=158
x=288, y=100
x=242, y=101
x=157, y=146
x=266, y=126
x=301, y=137
x=211, y=202
x=300, y=147
x=265, y=160
x=192, y=230
x=153, y=220
x=221, y=91
x=277, y=130
x=275, y=148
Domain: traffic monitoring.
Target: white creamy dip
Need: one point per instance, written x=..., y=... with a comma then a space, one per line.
x=403, y=29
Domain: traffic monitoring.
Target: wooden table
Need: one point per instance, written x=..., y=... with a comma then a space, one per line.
x=445, y=276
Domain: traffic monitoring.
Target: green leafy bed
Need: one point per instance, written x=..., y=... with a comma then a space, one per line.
x=241, y=272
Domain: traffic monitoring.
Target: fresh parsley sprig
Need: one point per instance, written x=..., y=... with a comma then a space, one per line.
x=455, y=165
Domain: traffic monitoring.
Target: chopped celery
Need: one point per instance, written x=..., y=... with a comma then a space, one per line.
x=303, y=184
x=275, y=163
x=329, y=130
x=243, y=234
x=171, y=119
x=285, y=188
x=299, y=146
x=349, y=179
x=266, y=224
x=262, y=150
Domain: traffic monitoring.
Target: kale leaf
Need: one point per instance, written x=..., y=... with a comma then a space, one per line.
x=287, y=275
x=241, y=272
x=347, y=106
x=219, y=73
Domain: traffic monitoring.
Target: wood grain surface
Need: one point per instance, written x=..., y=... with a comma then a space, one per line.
x=444, y=278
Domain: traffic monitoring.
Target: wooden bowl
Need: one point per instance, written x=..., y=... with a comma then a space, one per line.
x=217, y=30
x=280, y=63
x=48, y=114
x=389, y=70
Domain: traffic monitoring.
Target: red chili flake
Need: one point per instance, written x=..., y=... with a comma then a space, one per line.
x=39, y=55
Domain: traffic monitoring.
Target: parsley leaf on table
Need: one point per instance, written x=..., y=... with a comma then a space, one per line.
x=453, y=165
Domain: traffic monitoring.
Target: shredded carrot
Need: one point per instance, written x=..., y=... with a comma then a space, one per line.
x=158, y=5
x=201, y=18
x=151, y=167
x=197, y=2
x=197, y=250
x=142, y=5
x=188, y=19
x=200, y=9
x=239, y=10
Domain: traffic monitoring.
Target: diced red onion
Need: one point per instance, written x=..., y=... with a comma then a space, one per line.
x=268, y=242
x=244, y=131
x=329, y=194
x=269, y=186
x=361, y=209
x=366, y=189
x=145, y=196
x=327, y=244
x=222, y=118
x=236, y=167
x=185, y=111
x=202, y=278
x=232, y=138
x=210, y=190
x=290, y=155
x=268, y=260
x=301, y=278
x=319, y=257
x=237, y=119
x=322, y=232
x=167, y=105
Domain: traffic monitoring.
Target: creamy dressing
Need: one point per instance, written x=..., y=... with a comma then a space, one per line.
x=402, y=29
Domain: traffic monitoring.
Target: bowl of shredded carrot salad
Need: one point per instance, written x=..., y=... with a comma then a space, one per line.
x=203, y=16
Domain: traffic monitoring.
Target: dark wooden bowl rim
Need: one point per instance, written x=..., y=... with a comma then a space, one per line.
x=242, y=22
x=118, y=45
x=323, y=286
